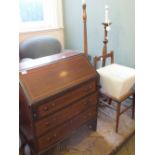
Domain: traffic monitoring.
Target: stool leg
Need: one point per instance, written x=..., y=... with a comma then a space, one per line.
x=109, y=101
x=118, y=115
x=133, y=106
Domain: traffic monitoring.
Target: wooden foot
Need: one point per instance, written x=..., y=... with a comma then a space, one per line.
x=93, y=125
x=118, y=115
x=133, y=106
x=33, y=153
x=109, y=101
x=23, y=144
x=22, y=149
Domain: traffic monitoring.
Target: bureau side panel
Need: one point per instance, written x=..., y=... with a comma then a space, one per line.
x=25, y=120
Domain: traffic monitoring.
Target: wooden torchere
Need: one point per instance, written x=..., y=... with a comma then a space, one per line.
x=85, y=29
x=104, y=50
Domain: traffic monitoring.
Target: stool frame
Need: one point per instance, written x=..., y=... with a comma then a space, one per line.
x=122, y=98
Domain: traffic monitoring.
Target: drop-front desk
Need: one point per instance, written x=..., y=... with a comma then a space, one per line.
x=58, y=95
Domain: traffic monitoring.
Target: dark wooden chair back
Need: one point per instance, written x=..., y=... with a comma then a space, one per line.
x=103, y=58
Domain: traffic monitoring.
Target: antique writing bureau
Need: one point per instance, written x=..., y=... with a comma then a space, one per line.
x=58, y=94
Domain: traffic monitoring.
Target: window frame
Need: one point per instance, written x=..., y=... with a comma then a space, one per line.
x=47, y=23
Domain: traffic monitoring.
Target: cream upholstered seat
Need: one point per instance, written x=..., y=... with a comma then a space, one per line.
x=116, y=80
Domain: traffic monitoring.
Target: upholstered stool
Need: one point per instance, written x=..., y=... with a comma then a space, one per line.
x=116, y=80
x=116, y=83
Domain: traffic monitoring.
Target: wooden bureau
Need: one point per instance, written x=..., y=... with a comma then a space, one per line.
x=58, y=95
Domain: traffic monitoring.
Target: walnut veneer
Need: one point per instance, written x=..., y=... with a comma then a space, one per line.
x=58, y=94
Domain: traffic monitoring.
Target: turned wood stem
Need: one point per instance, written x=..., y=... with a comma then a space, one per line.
x=104, y=50
x=85, y=29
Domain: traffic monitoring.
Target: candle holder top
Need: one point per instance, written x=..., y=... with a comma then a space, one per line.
x=106, y=24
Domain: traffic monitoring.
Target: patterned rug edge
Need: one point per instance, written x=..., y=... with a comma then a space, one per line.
x=117, y=148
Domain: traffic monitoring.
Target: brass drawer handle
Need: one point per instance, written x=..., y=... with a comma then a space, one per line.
x=54, y=119
x=72, y=93
x=88, y=88
x=46, y=108
x=49, y=138
x=76, y=112
x=87, y=102
x=85, y=117
x=47, y=123
x=90, y=113
x=53, y=104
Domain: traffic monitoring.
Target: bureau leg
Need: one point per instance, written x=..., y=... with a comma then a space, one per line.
x=22, y=149
x=133, y=106
x=93, y=125
x=23, y=144
x=33, y=153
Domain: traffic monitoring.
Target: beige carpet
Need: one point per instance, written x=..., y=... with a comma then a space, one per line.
x=102, y=142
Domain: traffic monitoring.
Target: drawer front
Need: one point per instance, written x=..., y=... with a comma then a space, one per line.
x=62, y=131
x=67, y=113
x=65, y=99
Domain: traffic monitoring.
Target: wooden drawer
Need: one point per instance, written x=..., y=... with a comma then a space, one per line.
x=65, y=99
x=65, y=114
x=62, y=131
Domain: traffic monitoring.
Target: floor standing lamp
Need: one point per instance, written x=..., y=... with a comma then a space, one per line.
x=104, y=50
x=106, y=25
x=85, y=27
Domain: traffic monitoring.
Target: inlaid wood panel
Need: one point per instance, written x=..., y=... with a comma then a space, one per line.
x=60, y=95
x=65, y=99
x=58, y=133
x=58, y=76
x=69, y=112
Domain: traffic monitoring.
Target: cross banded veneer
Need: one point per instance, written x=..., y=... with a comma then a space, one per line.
x=58, y=95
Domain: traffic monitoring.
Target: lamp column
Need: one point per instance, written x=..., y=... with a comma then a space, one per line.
x=105, y=42
x=85, y=28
